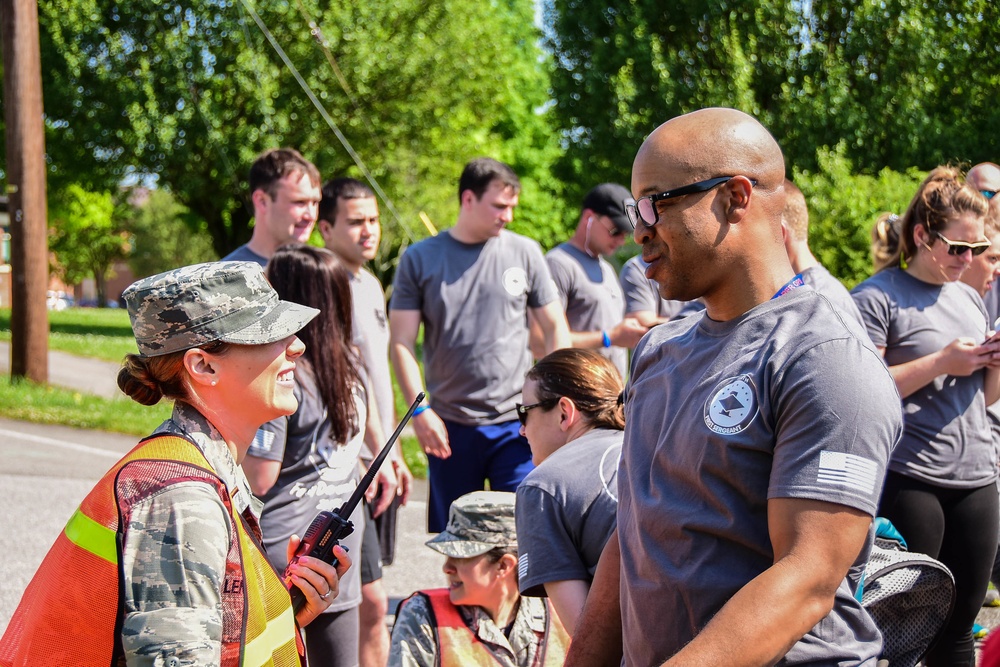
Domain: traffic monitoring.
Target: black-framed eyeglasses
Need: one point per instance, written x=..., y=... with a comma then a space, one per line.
x=644, y=210
x=959, y=248
x=522, y=410
x=613, y=231
x=989, y=194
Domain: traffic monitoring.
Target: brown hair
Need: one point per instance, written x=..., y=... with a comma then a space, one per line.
x=315, y=277
x=796, y=214
x=275, y=164
x=939, y=198
x=146, y=380
x=587, y=378
x=479, y=173
x=337, y=189
x=991, y=225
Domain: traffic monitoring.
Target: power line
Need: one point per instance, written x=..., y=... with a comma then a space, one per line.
x=329, y=121
x=317, y=33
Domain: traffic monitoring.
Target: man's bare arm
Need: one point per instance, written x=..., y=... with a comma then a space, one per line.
x=403, y=328
x=597, y=640
x=552, y=321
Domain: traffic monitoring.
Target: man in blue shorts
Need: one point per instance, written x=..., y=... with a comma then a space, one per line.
x=756, y=433
x=472, y=287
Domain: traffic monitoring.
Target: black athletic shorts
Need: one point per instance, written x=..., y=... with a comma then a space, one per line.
x=385, y=526
x=370, y=560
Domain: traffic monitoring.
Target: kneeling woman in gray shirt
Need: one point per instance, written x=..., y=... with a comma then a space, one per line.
x=567, y=506
x=940, y=490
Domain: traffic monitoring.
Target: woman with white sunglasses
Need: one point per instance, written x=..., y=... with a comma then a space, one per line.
x=932, y=330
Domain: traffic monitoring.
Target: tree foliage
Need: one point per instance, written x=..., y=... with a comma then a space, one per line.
x=163, y=234
x=843, y=206
x=191, y=92
x=900, y=82
x=86, y=236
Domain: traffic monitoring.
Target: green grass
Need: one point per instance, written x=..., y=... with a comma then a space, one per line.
x=51, y=405
x=101, y=333
x=105, y=333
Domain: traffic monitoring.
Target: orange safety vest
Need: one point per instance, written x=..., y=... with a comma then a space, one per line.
x=458, y=645
x=72, y=611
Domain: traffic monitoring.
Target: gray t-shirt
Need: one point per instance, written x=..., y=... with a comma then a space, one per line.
x=473, y=300
x=371, y=335
x=790, y=400
x=566, y=510
x=590, y=295
x=317, y=474
x=947, y=439
x=245, y=254
x=643, y=294
x=992, y=303
x=823, y=282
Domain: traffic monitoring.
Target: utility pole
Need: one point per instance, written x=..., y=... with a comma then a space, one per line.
x=22, y=90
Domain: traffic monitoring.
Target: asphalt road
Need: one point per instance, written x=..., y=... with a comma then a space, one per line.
x=45, y=471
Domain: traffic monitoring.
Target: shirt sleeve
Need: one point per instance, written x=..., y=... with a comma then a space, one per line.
x=561, y=279
x=174, y=560
x=838, y=453
x=406, y=293
x=875, y=310
x=546, y=550
x=639, y=295
x=270, y=439
x=543, y=290
x=413, y=643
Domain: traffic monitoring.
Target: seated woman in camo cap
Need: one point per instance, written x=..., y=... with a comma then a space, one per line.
x=479, y=618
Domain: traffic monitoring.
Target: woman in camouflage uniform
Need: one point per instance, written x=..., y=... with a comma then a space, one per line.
x=161, y=565
x=479, y=619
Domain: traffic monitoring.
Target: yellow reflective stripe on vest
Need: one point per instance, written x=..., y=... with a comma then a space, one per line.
x=277, y=633
x=91, y=536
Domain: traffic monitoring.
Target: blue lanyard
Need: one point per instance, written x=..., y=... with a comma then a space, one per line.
x=794, y=283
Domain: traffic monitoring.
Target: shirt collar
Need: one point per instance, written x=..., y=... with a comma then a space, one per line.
x=190, y=424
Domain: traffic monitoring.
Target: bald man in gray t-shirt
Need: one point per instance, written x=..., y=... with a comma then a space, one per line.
x=753, y=455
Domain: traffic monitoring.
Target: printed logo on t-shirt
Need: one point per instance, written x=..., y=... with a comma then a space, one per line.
x=733, y=405
x=515, y=281
x=609, y=470
x=522, y=566
x=380, y=318
x=850, y=470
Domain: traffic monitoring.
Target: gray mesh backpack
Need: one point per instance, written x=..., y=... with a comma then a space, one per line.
x=910, y=597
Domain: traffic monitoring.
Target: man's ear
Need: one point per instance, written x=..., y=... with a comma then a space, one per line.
x=468, y=198
x=198, y=364
x=740, y=191
x=325, y=227
x=260, y=198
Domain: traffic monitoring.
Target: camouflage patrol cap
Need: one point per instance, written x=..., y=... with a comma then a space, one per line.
x=478, y=522
x=195, y=305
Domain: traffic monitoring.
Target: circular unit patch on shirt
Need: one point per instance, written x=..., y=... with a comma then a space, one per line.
x=733, y=405
x=515, y=281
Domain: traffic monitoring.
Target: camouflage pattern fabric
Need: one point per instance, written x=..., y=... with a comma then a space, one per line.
x=195, y=305
x=414, y=644
x=174, y=558
x=477, y=523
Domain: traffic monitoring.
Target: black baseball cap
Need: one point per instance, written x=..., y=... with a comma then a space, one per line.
x=609, y=199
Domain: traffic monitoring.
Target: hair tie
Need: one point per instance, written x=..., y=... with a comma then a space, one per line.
x=894, y=222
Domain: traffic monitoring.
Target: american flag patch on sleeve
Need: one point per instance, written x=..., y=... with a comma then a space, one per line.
x=263, y=441
x=847, y=470
x=522, y=566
